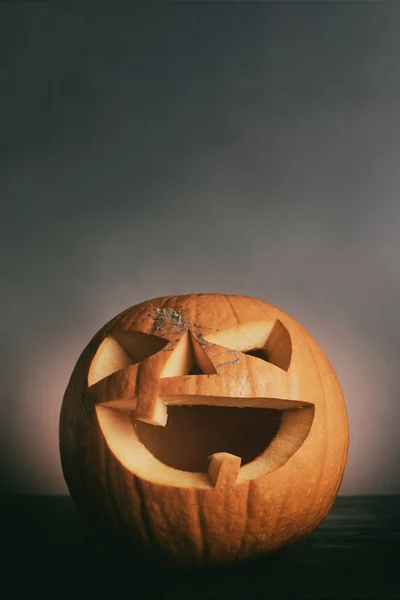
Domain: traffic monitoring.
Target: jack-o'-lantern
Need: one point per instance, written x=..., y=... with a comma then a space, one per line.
x=204, y=428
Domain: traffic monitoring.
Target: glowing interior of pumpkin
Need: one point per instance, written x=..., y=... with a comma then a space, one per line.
x=203, y=439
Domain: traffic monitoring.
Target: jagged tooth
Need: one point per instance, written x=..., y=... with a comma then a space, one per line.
x=223, y=468
x=154, y=413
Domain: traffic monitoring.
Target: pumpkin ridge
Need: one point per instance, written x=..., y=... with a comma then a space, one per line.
x=106, y=480
x=202, y=530
x=281, y=506
x=325, y=434
x=130, y=313
x=230, y=304
x=145, y=517
x=246, y=521
x=117, y=320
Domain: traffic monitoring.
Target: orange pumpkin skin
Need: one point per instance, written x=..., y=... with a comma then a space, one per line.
x=279, y=497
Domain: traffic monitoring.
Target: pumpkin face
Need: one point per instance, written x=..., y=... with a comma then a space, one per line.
x=204, y=428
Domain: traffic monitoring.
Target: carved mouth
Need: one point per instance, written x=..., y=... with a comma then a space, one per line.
x=194, y=433
x=206, y=444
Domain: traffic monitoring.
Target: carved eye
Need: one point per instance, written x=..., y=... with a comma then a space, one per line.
x=139, y=345
x=260, y=339
x=258, y=353
x=122, y=349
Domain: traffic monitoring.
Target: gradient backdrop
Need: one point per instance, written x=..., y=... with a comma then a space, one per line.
x=248, y=148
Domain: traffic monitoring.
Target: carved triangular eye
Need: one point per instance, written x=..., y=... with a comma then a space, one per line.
x=121, y=349
x=266, y=340
x=278, y=347
x=258, y=353
x=139, y=345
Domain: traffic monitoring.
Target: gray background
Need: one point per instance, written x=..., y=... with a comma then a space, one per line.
x=248, y=148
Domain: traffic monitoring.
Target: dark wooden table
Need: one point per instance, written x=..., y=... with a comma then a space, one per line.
x=48, y=552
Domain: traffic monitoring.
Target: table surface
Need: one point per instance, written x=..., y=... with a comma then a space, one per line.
x=48, y=552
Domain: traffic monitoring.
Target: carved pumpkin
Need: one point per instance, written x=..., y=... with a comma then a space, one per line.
x=204, y=428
